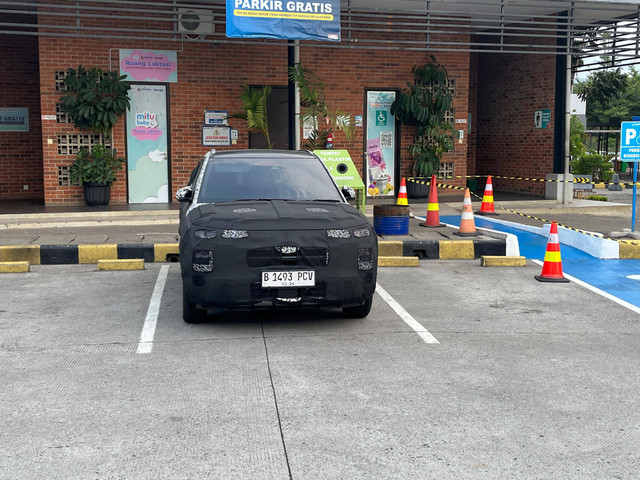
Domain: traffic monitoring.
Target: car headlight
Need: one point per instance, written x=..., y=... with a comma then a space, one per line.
x=338, y=233
x=204, y=233
x=234, y=234
x=202, y=261
x=365, y=259
x=362, y=232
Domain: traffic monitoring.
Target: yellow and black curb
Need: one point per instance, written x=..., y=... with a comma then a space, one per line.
x=391, y=253
x=88, y=254
x=439, y=249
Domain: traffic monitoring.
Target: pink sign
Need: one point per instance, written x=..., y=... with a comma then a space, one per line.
x=149, y=66
x=146, y=133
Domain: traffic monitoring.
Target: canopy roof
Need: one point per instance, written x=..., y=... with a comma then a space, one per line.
x=558, y=27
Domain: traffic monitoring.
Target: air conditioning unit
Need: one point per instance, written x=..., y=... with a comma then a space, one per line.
x=195, y=21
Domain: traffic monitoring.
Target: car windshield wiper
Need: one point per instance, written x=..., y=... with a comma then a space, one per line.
x=325, y=200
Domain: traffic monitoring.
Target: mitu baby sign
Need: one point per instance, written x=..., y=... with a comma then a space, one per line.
x=291, y=20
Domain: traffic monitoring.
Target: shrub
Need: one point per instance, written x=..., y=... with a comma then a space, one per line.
x=592, y=164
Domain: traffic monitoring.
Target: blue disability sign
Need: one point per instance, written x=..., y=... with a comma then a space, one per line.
x=630, y=152
x=287, y=19
x=630, y=142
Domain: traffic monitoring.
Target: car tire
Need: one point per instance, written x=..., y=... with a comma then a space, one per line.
x=190, y=311
x=359, y=311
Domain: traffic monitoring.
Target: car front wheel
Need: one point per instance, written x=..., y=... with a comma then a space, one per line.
x=359, y=311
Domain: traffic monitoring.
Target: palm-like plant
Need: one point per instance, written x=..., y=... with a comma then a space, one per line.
x=317, y=113
x=254, y=110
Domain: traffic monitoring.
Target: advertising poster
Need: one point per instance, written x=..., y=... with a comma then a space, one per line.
x=291, y=20
x=147, y=145
x=149, y=66
x=380, y=144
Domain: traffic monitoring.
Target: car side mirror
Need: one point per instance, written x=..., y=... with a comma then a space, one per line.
x=348, y=192
x=184, y=194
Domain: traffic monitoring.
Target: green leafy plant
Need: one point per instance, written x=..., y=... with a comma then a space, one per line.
x=96, y=166
x=593, y=164
x=424, y=104
x=254, y=110
x=599, y=198
x=95, y=99
x=576, y=137
x=323, y=119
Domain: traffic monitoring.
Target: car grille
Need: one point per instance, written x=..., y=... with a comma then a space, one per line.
x=269, y=257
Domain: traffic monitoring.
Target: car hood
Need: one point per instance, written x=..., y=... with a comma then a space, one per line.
x=276, y=215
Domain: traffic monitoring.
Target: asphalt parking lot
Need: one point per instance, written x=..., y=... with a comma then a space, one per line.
x=505, y=377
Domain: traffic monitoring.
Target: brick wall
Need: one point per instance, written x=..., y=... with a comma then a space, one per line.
x=20, y=152
x=510, y=89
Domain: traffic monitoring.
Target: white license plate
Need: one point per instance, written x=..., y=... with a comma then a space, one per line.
x=290, y=278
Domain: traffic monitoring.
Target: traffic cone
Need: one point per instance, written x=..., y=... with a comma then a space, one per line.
x=433, y=210
x=552, y=266
x=402, y=193
x=487, y=207
x=467, y=224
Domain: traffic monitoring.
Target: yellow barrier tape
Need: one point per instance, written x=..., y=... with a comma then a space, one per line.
x=577, y=179
x=543, y=220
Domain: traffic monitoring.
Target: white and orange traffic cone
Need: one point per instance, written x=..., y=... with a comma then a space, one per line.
x=402, y=193
x=552, y=266
x=487, y=207
x=467, y=224
x=433, y=210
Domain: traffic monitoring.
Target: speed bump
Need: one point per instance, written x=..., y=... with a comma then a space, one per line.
x=398, y=261
x=14, y=267
x=497, y=261
x=123, y=264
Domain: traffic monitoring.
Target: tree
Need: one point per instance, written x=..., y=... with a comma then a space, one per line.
x=606, y=93
x=577, y=136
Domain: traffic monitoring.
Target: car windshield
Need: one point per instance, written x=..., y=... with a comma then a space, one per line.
x=266, y=178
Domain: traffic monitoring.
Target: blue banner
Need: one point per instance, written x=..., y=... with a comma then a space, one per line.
x=291, y=20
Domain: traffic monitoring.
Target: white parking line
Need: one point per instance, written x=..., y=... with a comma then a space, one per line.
x=404, y=315
x=145, y=344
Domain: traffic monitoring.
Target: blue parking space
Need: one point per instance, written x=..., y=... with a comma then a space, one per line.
x=615, y=277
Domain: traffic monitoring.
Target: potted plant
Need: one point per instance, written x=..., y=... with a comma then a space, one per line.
x=95, y=100
x=254, y=110
x=423, y=105
x=96, y=170
x=321, y=119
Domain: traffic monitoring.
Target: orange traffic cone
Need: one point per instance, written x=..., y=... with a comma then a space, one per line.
x=433, y=210
x=552, y=266
x=487, y=207
x=402, y=193
x=467, y=224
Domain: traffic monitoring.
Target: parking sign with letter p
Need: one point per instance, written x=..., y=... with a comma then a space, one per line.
x=630, y=141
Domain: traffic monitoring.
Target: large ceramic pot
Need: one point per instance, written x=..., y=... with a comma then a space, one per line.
x=417, y=187
x=97, y=193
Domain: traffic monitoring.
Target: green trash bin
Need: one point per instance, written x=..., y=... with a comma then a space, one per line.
x=472, y=183
x=623, y=167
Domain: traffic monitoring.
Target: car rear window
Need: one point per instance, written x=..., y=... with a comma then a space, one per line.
x=270, y=178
